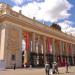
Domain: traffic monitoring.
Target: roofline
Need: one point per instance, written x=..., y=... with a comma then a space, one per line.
x=6, y=4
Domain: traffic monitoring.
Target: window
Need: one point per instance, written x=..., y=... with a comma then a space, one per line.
x=13, y=57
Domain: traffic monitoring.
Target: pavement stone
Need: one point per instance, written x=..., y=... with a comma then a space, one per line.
x=36, y=71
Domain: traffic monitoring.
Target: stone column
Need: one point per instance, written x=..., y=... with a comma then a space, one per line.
x=53, y=42
x=66, y=45
x=60, y=44
x=66, y=49
x=0, y=36
x=44, y=48
x=39, y=44
x=2, y=44
x=67, y=54
x=19, y=54
x=33, y=43
x=34, y=48
x=60, y=48
x=48, y=43
x=38, y=51
x=72, y=53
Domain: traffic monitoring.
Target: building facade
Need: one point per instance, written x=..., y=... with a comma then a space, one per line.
x=42, y=42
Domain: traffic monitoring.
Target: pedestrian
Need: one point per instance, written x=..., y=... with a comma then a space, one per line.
x=47, y=68
x=55, y=68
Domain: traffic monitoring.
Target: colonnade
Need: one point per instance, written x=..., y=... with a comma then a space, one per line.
x=43, y=48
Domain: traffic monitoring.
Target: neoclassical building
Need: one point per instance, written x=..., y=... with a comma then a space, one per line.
x=43, y=43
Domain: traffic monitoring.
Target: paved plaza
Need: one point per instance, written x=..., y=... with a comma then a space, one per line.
x=36, y=71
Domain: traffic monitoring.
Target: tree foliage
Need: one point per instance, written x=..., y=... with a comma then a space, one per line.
x=56, y=26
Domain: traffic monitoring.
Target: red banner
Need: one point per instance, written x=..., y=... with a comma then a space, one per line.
x=27, y=41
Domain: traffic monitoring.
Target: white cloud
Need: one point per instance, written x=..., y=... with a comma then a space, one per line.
x=52, y=10
x=16, y=8
x=66, y=26
x=30, y=9
x=49, y=10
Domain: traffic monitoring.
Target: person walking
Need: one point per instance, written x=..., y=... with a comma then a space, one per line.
x=55, y=68
x=47, y=68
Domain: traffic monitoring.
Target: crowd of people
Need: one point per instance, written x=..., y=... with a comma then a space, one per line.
x=52, y=68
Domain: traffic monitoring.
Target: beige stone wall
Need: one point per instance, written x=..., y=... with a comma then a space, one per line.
x=2, y=40
x=13, y=46
x=0, y=35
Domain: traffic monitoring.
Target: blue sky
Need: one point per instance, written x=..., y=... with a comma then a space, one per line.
x=72, y=11
x=49, y=11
